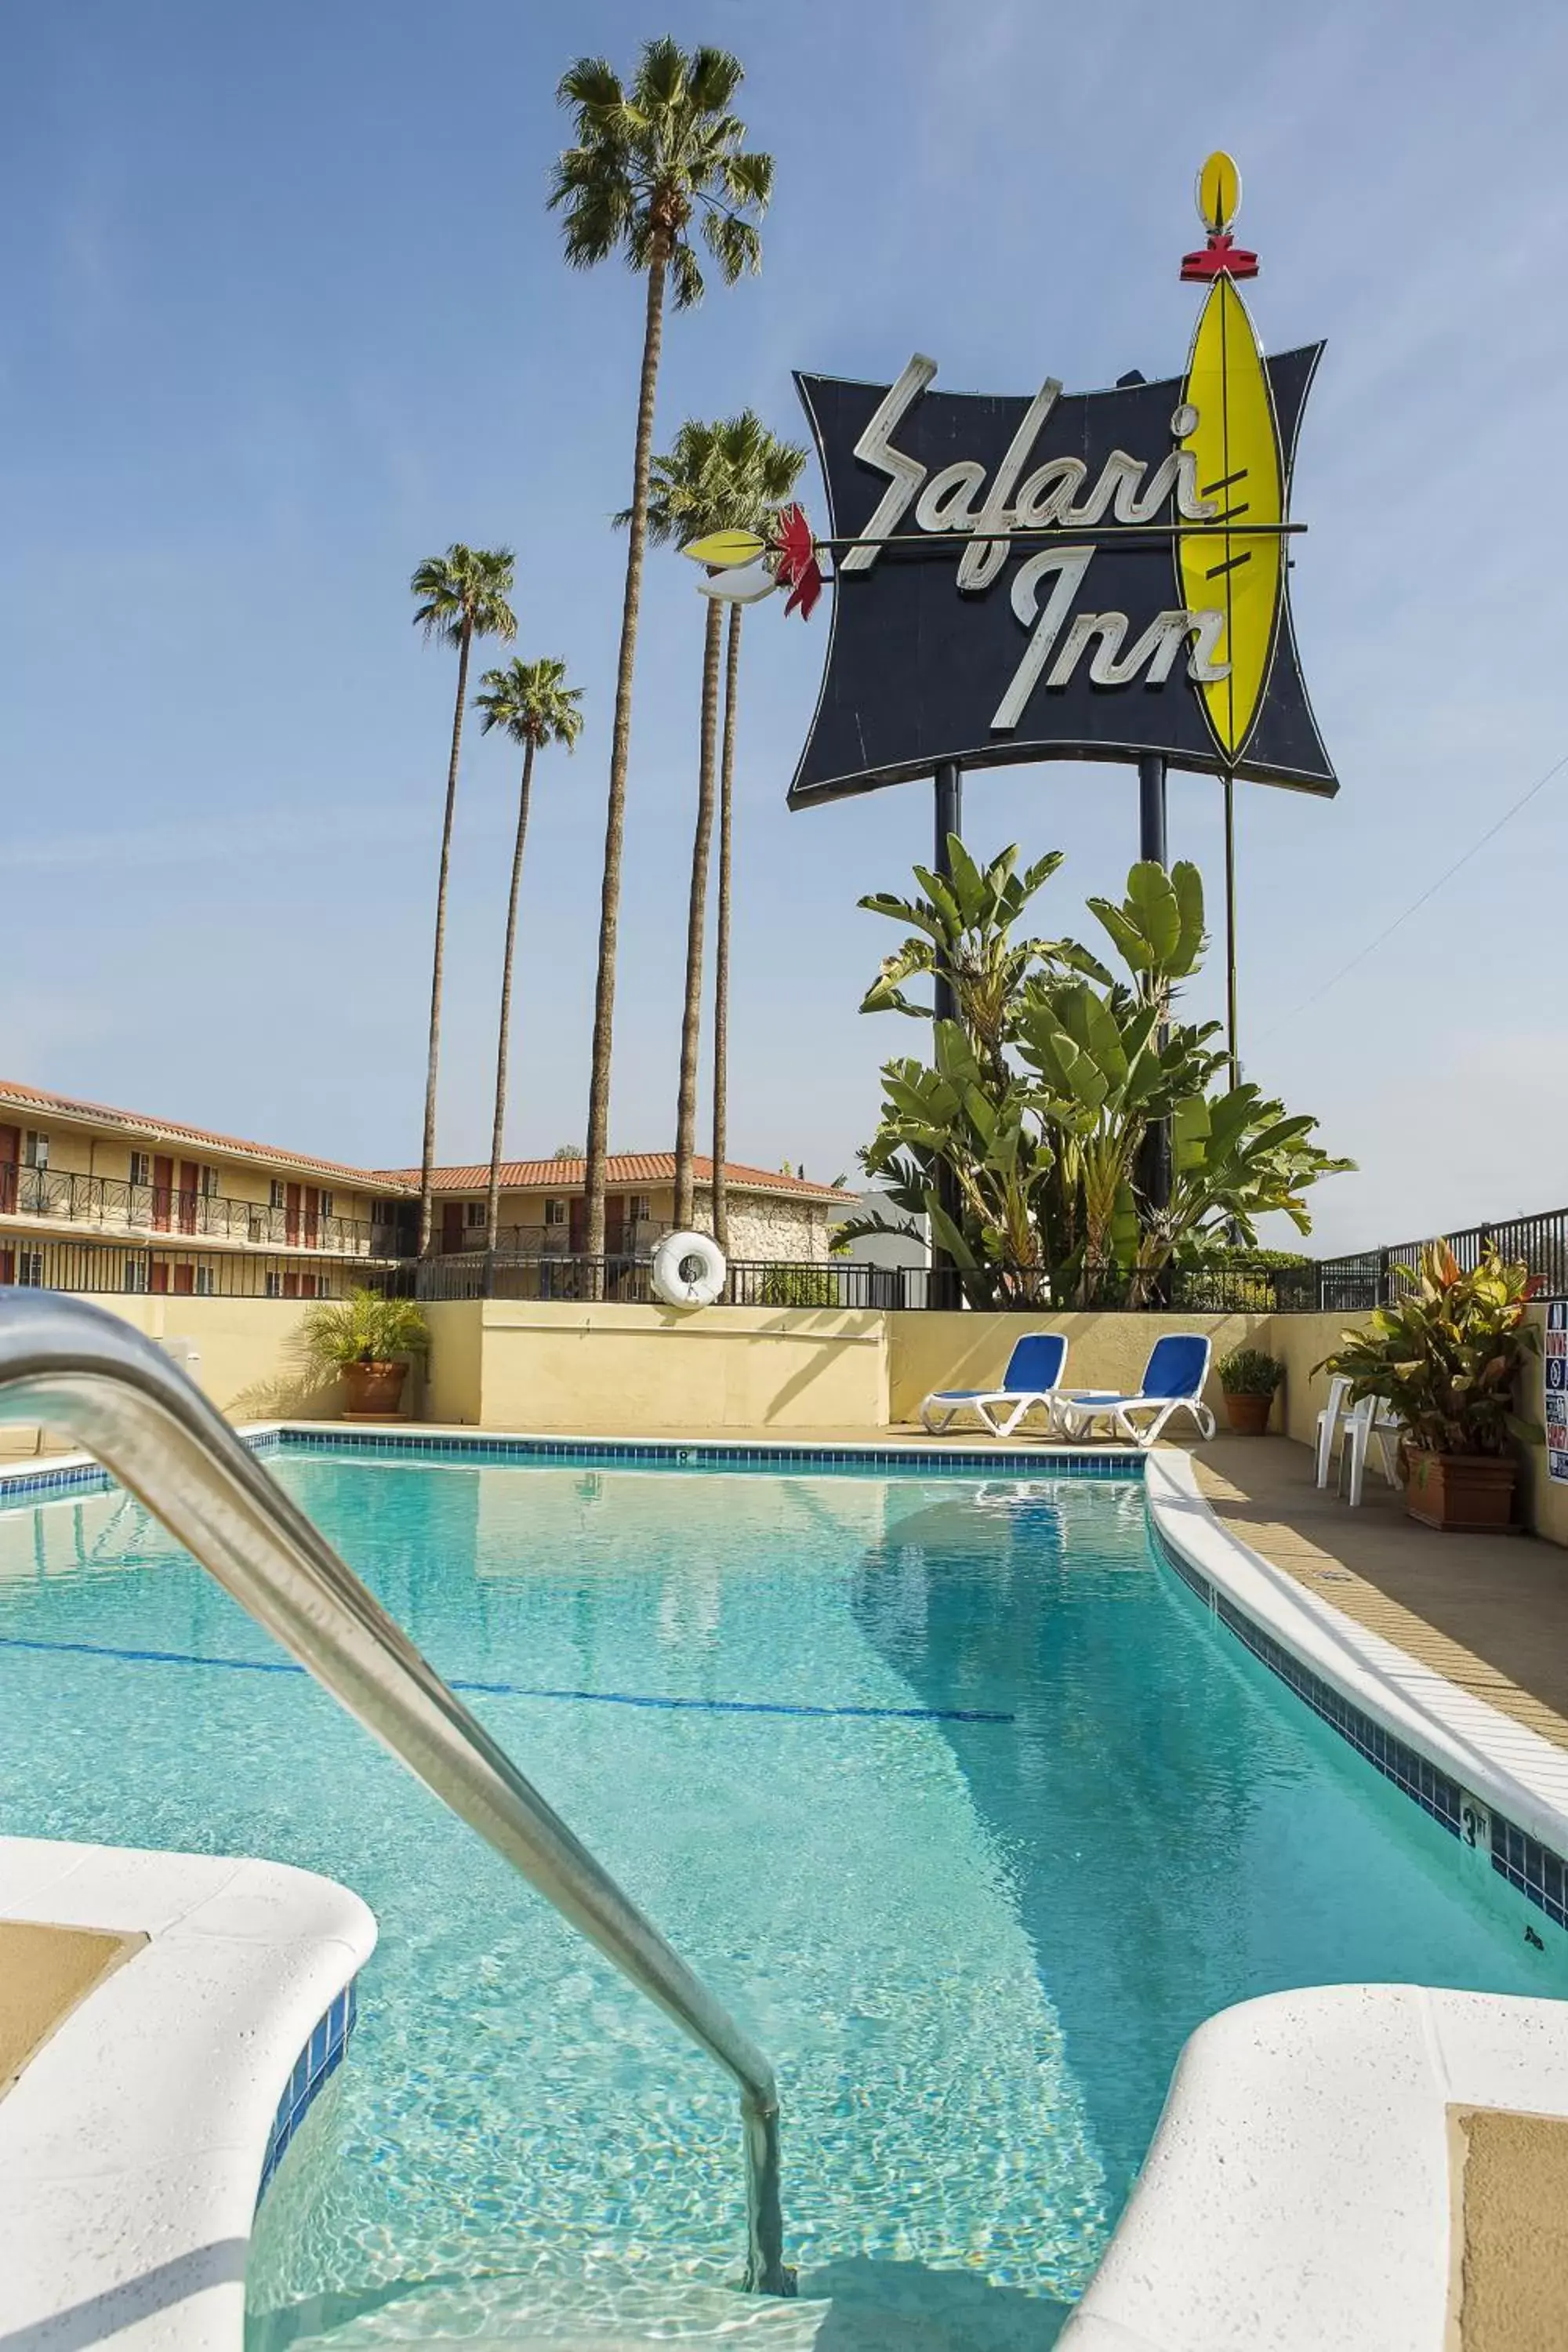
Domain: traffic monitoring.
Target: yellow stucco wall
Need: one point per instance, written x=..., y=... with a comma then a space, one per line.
x=453, y=1383
x=1104, y=1351
x=561, y=1365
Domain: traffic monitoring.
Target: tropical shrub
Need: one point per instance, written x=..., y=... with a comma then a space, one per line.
x=1248, y=1371
x=1040, y=1095
x=1448, y=1355
x=364, y=1329
x=799, y=1285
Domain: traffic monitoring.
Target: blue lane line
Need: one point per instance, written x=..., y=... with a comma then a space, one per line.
x=523, y=1690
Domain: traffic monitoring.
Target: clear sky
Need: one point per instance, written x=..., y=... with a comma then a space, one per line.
x=281, y=311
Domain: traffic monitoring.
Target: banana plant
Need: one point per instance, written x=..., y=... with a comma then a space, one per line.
x=963, y=927
x=1043, y=1088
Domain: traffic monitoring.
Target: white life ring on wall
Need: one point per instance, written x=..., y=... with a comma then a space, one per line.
x=687, y=1270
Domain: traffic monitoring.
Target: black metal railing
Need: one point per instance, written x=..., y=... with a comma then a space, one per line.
x=111, y=1204
x=1368, y=1279
x=131, y=1268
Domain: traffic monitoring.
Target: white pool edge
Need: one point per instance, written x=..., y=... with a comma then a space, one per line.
x=132, y=2144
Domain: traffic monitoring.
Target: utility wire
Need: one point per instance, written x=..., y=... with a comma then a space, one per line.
x=1416, y=904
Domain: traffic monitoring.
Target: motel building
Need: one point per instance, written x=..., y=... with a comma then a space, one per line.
x=96, y=1199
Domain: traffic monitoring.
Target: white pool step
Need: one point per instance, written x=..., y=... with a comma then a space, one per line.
x=888, y=2307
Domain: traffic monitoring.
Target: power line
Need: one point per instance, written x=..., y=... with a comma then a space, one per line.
x=1416, y=904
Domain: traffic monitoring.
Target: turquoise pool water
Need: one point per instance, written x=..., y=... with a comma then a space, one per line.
x=944, y=1784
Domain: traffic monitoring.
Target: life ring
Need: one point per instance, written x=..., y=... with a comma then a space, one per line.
x=687, y=1270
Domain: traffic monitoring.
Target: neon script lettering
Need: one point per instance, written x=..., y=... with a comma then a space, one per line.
x=1055, y=495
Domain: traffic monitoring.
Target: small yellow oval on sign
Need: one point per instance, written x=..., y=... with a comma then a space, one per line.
x=726, y=546
x=1218, y=193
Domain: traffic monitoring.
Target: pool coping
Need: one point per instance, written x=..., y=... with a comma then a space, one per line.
x=138, y=2137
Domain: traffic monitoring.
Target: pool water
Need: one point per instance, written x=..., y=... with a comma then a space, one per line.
x=952, y=1792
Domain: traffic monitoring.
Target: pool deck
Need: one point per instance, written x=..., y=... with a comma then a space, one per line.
x=1488, y=1612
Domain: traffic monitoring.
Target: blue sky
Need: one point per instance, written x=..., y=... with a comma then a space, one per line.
x=284, y=312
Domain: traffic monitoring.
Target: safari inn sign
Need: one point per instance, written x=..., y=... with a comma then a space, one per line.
x=1097, y=576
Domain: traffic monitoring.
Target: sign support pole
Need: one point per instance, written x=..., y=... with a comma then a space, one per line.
x=1230, y=926
x=948, y=820
x=1155, y=1170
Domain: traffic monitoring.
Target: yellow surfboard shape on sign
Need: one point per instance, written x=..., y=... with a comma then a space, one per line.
x=724, y=548
x=1240, y=467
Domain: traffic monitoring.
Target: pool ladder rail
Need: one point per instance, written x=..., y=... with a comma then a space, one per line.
x=75, y=1367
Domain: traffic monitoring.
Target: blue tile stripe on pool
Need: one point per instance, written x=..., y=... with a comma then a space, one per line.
x=676, y=1705
x=318, y=2062
x=1538, y=1873
x=87, y=1478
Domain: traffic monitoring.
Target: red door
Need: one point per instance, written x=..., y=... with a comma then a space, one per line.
x=614, y=1224
x=312, y=1216
x=158, y=1273
x=451, y=1226
x=577, y=1227
x=291, y=1216
x=7, y=1265
x=163, y=1192
x=190, y=1180
x=10, y=1153
x=184, y=1280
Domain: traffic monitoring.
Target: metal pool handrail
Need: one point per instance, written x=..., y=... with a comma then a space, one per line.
x=76, y=1366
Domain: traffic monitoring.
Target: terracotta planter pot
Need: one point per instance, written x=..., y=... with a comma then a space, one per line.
x=1464, y=1492
x=1248, y=1415
x=374, y=1388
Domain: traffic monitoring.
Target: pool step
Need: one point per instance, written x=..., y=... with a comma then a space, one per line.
x=860, y=2306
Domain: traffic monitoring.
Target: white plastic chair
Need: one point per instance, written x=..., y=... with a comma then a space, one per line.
x=1369, y=1419
x=1329, y=1423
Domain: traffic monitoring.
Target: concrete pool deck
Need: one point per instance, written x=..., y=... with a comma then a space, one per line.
x=1488, y=1612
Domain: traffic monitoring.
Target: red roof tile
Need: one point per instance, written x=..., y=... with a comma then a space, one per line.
x=621, y=1168
x=135, y=1122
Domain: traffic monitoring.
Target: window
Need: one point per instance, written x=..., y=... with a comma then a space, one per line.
x=208, y=1182
x=275, y=1193
x=474, y=1214
x=30, y=1268
x=639, y=1208
x=555, y=1212
x=35, y=1152
x=326, y=1204
x=135, y=1269
x=274, y=1281
x=204, y=1282
x=140, y=1167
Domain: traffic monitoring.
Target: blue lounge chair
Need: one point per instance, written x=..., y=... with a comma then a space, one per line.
x=1174, y=1381
x=1032, y=1378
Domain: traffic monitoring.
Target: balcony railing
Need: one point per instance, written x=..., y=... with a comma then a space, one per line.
x=110, y=1205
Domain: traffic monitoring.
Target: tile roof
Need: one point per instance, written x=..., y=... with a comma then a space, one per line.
x=526, y=1175
x=132, y=1122
x=621, y=1168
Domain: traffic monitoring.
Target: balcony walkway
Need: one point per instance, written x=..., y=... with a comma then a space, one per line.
x=1489, y=1613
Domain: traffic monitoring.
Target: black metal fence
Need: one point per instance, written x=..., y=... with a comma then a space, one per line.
x=131, y=1269
x=114, y=1207
x=1354, y=1284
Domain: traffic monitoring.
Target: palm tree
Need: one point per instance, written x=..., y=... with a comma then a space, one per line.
x=648, y=162
x=722, y=476
x=534, y=704
x=463, y=595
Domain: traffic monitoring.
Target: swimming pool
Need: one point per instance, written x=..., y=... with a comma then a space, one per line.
x=940, y=1780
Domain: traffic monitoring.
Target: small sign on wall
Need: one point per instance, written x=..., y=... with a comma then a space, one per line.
x=1556, y=1386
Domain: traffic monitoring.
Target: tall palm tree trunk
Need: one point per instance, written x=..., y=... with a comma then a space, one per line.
x=439, y=957
x=722, y=939
x=503, y=1040
x=696, y=921
x=620, y=753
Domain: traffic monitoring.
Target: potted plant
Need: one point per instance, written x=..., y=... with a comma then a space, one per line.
x=1447, y=1357
x=367, y=1340
x=1249, y=1379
